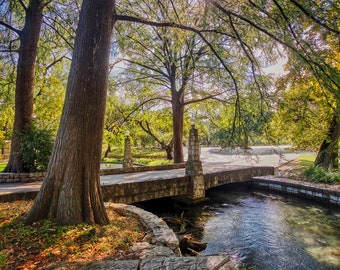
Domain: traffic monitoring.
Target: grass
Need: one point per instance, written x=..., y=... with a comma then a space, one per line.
x=303, y=169
x=2, y=167
x=138, y=152
x=143, y=161
x=306, y=160
x=38, y=245
x=150, y=157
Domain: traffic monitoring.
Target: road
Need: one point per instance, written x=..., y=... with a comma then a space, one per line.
x=213, y=160
x=256, y=156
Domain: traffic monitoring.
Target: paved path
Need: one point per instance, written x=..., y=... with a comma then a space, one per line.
x=213, y=160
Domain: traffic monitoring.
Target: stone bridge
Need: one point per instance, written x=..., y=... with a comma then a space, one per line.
x=146, y=185
x=189, y=184
x=178, y=186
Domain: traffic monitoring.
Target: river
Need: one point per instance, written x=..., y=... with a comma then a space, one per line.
x=266, y=231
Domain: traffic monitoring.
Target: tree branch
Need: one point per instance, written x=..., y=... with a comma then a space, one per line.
x=148, y=131
x=9, y=51
x=306, y=59
x=204, y=98
x=22, y=4
x=309, y=15
x=18, y=32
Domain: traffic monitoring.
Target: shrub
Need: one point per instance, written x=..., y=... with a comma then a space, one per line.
x=321, y=175
x=36, y=148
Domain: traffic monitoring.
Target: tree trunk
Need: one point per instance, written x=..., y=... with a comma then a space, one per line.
x=177, y=119
x=328, y=153
x=108, y=150
x=71, y=193
x=169, y=148
x=29, y=38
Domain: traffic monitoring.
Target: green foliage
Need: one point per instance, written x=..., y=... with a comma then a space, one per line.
x=321, y=175
x=303, y=115
x=36, y=148
x=3, y=259
x=2, y=138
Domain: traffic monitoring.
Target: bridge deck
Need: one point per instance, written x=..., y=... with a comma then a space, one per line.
x=111, y=183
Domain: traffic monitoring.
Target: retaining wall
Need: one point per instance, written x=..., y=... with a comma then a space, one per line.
x=318, y=192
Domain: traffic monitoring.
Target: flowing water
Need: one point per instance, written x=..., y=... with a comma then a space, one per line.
x=261, y=230
x=267, y=231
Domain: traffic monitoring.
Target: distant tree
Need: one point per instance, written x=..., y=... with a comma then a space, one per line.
x=23, y=25
x=187, y=65
x=169, y=63
x=156, y=125
x=27, y=54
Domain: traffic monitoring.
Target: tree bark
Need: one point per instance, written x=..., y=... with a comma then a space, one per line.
x=327, y=156
x=168, y=150
x=178, y=123
x=71, y=193
x=108, y=150
x=29, y=38
x=177, y=102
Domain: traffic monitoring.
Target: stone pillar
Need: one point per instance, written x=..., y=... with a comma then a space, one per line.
x=127, y=161
x=194, y=169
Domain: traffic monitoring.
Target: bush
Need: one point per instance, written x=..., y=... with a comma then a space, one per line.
x=36, y=148
x=321, y=175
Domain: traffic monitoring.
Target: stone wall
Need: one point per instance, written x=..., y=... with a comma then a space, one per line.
x=142, y=169
x=141, y=191
x=21, y=177
x=160, y=249
x=318, y=192
x=235, y=175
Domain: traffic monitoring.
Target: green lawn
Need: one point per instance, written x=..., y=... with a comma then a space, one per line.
x=306, y=160
x=2, y=166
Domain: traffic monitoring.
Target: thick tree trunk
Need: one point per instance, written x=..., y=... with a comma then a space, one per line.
x=29, y=37
x=178, y=122
x=71, y=193
x=328, y=153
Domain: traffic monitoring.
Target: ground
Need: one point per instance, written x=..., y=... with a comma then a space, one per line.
x=38, y=245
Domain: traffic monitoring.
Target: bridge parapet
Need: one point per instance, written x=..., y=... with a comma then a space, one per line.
x=142, y=191
x=235, y=175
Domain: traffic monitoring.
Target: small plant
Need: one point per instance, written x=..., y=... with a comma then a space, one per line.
x=3, y=259
x=36, y=148
x=321, y=175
